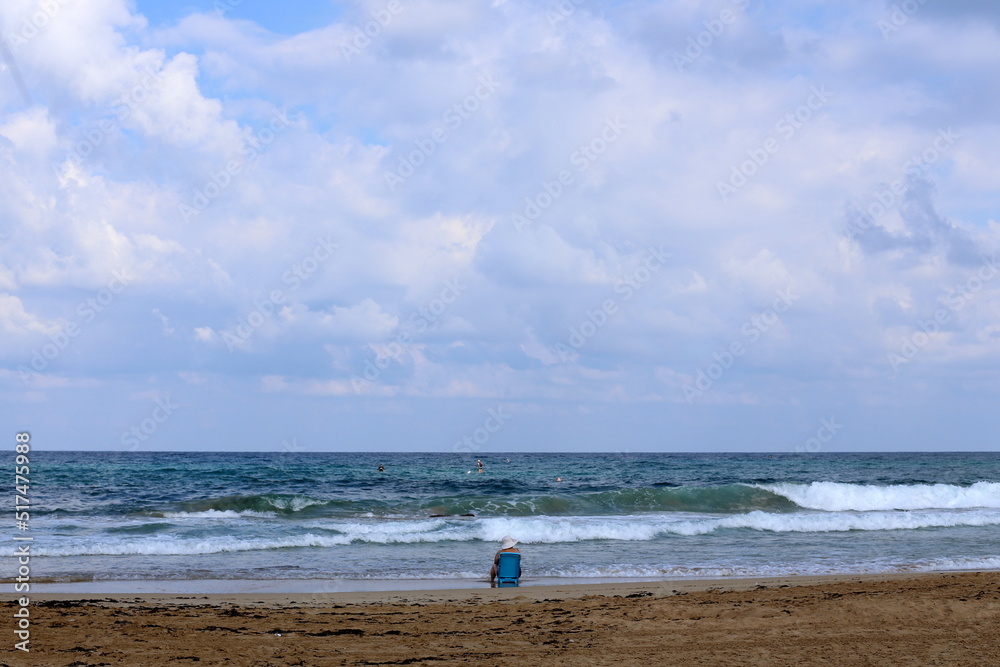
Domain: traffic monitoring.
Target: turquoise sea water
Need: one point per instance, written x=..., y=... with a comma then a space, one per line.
x=103, y=516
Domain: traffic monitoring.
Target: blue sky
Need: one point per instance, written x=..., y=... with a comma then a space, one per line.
x=507, y=226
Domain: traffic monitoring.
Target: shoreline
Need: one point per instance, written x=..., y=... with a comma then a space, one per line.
x=383, y=591
x=885, y=619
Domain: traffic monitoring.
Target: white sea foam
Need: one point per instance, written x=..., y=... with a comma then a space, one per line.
x=838, y=497
x=397, y=532
x=935, y=564
x=180, y=546
x=572, y=529
x=838, y=522
x=672, y=572
x=539, y=530
x=548, y=530
x=293, y=503
x=218, y=514
x=396, y=527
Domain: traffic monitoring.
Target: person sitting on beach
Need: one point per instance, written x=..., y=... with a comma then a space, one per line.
x=507, y=544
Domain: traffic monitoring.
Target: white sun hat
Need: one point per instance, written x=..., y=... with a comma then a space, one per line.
x=507, y=542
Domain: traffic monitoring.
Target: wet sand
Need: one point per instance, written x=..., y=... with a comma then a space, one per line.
x=926, y=619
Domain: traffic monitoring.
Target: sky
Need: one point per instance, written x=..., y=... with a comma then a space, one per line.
x=438, y=225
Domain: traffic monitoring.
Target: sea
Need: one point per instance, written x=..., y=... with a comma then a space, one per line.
x=295, y=521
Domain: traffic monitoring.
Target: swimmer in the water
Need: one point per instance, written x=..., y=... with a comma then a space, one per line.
x=381, y=468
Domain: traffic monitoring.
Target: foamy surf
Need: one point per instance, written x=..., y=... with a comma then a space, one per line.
x=535, y=530
x=837, y=497
x=216, y=514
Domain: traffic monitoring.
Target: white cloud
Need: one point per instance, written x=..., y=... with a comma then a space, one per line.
x=168, y=330
x=16, y=320
x=31, y=132
x=143, y=121
x=204, y=334
x=362, y=322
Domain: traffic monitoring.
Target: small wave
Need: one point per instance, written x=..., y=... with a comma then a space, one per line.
x=246, y=505
x=986, y=563
x=334, y=535
x=186, y=547
x=840, y=522
x=539, y=530
x=217, y=514
x=141, y=528
x=576, y=529
x=665, y=571
x=839, y=497
x=677, y=572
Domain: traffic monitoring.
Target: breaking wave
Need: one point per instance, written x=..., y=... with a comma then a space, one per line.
x=837, y=497
x=539, y=530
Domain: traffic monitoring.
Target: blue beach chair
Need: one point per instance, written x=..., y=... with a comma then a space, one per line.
x=509, y=570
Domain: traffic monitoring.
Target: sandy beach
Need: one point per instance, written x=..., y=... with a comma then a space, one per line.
x=926, y=619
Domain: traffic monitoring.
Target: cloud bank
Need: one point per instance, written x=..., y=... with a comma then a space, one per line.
x=635, y=225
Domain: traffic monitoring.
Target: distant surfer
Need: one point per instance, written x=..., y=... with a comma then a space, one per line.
x=381, y=468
